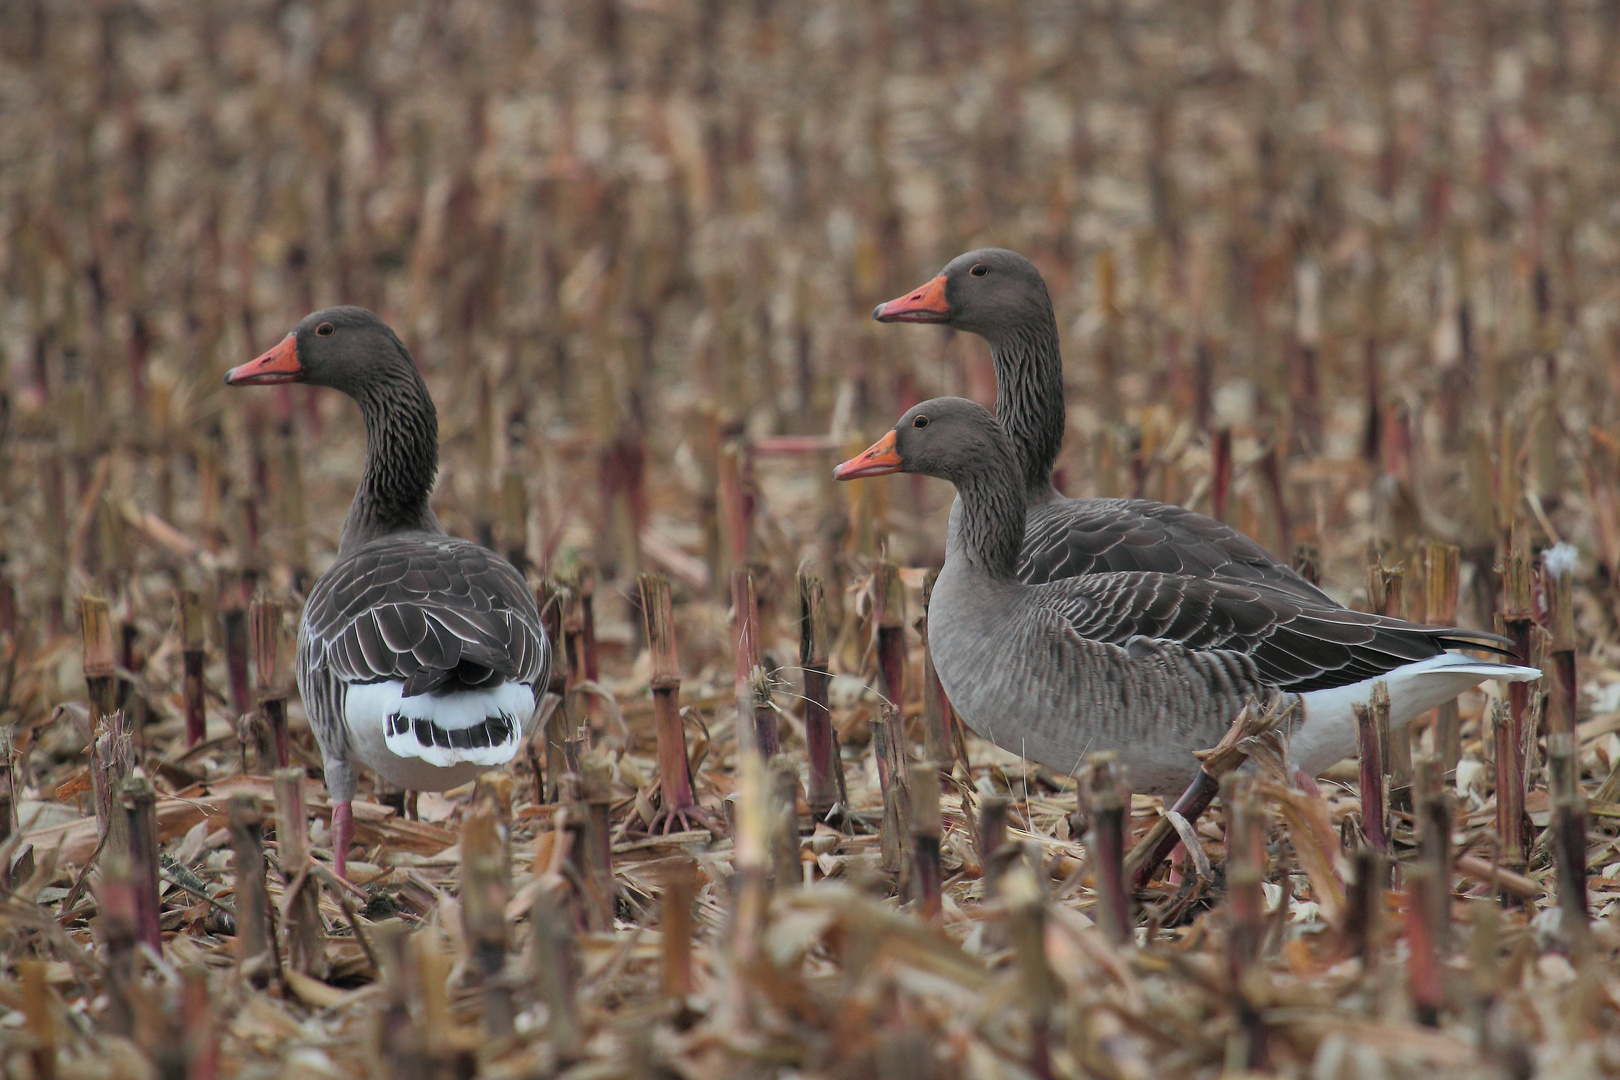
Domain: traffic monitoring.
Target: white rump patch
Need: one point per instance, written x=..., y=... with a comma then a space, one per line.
x=464, y=727
x=1328, y=733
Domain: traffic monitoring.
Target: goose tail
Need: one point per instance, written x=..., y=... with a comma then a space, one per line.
x=1327, y=731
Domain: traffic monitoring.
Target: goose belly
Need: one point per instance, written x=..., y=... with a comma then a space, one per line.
x=432, y=742
x=1038, y=691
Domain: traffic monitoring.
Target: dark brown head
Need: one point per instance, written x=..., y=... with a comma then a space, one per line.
x=350, y=349
x=958, y=440
x=346, y=348
x=950, y=438
x=988, y=292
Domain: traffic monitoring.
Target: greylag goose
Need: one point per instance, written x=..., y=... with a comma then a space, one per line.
x=1152, y=665
x=1000, y=296
x=420, y=655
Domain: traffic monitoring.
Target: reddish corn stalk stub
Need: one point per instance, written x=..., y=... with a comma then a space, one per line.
x=130, y=703
x=674, y=769
x=1220, y=452
x=139, y=801
x=1246, y=926
x=554, y=964
x=193, y=645
x=1563, y=753
x=1026, y=932
x=550, y=598
x=756, y=717
x=1433, y=809
x=925, y=827
x=1569, y=841
x=750, y=883
x=1558, y=582
x=585, y=588
x=1372, y=437
x=1440, y=608
x=1370, y=750
x=485, y=890
x=680, y=889
x=233, y=619
x=888, y=748
x=38, y=1018
x=8, y=606
x=399, y=1038
x=111, y=762
x=1423, y=971
x=1386, y=591
x=889, y=630
x=1107, y=804
x=8, y=812
x=786, y=870
x=596, y=853
x=821, y=740
x=200, y=1029
x=579, y=637
x=1271, y=471
x=306, y=933
x=991, y=837
x=118, y=927
x=515, y=520
x=1517, y=622
x=1510, y=815
x=255, y=953
x=736, y=508
x=100, y=660
x=272, y=662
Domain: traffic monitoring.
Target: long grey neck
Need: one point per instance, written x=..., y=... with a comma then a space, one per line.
x=402, y=459
x=1029, y=397
x=990, y=531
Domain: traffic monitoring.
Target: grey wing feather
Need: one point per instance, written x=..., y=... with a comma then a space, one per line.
x=1066, y=538
x=424, y=610
x=1293, y=645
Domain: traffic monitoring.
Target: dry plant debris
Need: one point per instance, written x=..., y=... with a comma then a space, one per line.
x=1342, y=273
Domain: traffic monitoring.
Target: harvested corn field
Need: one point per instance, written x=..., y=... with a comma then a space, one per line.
x=1341, y=276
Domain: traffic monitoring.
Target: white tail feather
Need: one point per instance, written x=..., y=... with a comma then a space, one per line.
x=1328, y=732
x=401, y=757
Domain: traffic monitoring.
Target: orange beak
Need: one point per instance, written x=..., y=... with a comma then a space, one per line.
x=279, y=365
x=926, y=304
x=876, y=460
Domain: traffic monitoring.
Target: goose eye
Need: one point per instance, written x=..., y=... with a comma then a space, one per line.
x=920, y=422
x=326, y=329
x=979, y=270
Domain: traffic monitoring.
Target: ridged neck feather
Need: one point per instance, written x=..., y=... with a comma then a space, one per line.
x=991, y=527
x=1029, y=394
x=402, y=459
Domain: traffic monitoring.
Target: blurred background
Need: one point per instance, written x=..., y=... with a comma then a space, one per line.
x=1369, y=248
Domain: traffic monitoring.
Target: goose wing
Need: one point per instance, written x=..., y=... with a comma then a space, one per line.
x=1069, y=537
x=1294, y=645
x=427, y=611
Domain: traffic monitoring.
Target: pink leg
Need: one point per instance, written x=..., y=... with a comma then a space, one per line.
x=342, y=836
x=1304, y=781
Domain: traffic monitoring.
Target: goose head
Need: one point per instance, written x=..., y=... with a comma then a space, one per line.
x=985, y=292
x=950, y=438
x=346, y=348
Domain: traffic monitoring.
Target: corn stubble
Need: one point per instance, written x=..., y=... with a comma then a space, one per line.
x=1350, y=299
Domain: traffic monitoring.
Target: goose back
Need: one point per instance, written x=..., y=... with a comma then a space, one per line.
x=424, y=646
